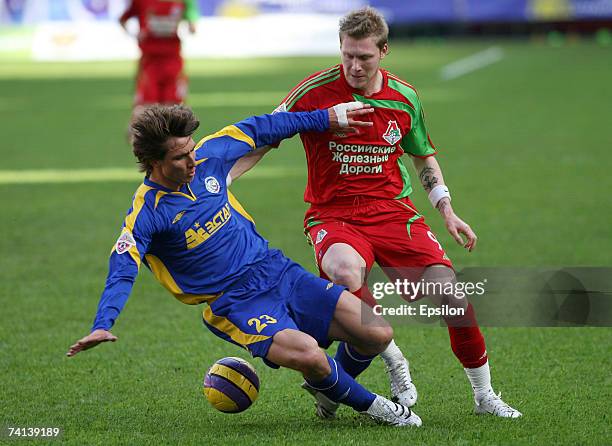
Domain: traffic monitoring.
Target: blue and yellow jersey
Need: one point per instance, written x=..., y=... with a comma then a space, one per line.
x=199, y=240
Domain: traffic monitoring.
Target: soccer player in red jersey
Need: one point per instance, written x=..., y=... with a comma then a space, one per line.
x=160, y=78
x=360, y=211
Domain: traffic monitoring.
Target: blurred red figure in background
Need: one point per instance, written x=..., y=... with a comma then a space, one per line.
x=160, y=77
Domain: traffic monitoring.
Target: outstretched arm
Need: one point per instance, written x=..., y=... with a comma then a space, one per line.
x=269, y=129
x=123, y=265
x=342, y=116
x=113, y=299
x=431, y=178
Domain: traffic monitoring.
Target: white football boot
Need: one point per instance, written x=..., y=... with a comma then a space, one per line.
x=325, y=408
x=385, y=411
x=403, y=390
x=493, y=404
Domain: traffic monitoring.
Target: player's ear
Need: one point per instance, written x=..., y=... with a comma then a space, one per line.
x=384, y=51
x=155, y=164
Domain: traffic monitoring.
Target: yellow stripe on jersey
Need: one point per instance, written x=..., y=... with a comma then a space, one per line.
x=226, y=326
x=138, y=203
x=233, y=132
x=130, y=220
x=160, y=193
x=197, y=299
x=238, y=207
x=164, y=277
x=236, y=378
x=162, y=274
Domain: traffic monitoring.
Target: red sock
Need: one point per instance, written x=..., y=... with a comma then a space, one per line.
x=466, y=339
x=365, y=295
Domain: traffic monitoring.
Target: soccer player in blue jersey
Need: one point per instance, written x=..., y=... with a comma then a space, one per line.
x=202, y=246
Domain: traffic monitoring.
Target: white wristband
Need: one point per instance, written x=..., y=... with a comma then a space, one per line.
x=437, y=193
x=342, y=109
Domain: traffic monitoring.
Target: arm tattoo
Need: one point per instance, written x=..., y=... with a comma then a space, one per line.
x=428, y=180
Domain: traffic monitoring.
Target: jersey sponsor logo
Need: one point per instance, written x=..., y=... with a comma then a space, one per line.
x=165, y=24
x=334, y=147
x=393, y=133
x=200, y=233
x=212, y=185
x=320, y=236
x=125, y=242
x=347, y=169
x=352, y=157
x=178, y=216
x=329, y=285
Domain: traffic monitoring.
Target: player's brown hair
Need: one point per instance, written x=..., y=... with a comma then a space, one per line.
x=152, y=129
x=365, y=22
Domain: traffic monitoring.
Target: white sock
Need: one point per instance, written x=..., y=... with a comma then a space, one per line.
x=480, y=379
x=392, y=353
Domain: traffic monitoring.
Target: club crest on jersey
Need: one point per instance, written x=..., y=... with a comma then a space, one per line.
x=212, y=185
x=320, y=236
x=125, y=242
x=393, y=133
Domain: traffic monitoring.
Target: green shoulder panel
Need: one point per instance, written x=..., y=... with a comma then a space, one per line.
x=191, y=10
x=417, y=142
x=409, y=93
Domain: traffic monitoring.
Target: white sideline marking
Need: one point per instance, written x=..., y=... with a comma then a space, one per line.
x=471, y=63
x=119, y=175
x=208, y=100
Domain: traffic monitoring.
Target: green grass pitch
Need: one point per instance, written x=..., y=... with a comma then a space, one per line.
x=525, y=145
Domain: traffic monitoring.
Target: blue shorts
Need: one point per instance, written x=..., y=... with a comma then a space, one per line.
x=272, y=295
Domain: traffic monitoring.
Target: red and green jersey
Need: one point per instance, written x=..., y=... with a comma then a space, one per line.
x=367, y=164
x=159, y=21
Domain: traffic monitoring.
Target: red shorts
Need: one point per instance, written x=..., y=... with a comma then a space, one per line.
x=160, y=79
x=389, y=232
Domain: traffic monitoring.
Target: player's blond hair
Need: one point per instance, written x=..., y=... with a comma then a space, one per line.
x=363, y=23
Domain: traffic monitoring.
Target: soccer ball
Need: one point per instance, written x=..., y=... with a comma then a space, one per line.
x=231, y=385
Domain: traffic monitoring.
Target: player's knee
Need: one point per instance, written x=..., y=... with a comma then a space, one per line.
x=457, y=302
x=379, y=338
x=303, y=354
x=313, y=363
x=383, y=336
x=373, y=339
x=444, y=280
x=345, y=271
